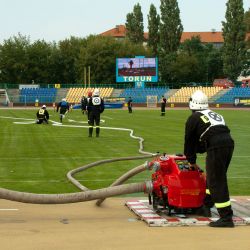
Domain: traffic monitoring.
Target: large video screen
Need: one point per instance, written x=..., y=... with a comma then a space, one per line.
x=136, y=70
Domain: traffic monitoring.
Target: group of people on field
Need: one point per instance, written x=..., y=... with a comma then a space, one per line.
x=92, y=105
x=163, y=102
x=205, y=131
x=42, y=114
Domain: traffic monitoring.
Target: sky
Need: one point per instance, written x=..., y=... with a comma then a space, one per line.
x=55, y=20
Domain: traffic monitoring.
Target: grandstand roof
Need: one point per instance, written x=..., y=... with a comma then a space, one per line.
x=206, y=37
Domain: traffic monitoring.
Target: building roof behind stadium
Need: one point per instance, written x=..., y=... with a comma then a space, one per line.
x=206, y=37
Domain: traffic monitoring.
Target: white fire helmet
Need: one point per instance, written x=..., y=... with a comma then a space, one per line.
x=198, y=101
x=96, y=92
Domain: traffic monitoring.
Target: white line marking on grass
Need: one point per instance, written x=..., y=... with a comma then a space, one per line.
x=107, y=117
x=141, y=140
x=102, y=121
x=54, y=122
x=16, y=118
x=239, y=177
x=31, y=122
x=77, y=121
x=241, y=156
x=9, y=209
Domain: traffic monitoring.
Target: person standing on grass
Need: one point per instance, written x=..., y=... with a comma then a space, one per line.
x=163, y=105
x=206, y=131
x=88, y=108
x=95, y=107
x=64, y=108
x=42, y=115
x=130, y=104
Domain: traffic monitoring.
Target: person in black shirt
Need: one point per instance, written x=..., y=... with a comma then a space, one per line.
x=206, y=131
x=42, y=115
x=163, y=105
x=64, y=108
x=95, y=107
x=88, y=108
x=130, y=104
x=83, y=104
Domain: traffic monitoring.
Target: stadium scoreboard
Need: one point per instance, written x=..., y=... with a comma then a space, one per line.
x=138, y=69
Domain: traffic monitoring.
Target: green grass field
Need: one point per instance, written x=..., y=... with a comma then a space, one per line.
x=36, y=158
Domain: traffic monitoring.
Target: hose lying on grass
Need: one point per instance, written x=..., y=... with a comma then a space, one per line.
x=88, y=195
x=121, y=179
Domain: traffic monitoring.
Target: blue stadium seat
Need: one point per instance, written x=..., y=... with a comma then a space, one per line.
x=139, y=95
x=229, y=96
x=44, y=95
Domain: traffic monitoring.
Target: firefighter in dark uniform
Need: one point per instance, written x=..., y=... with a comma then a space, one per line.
x=64, y=108
x=84, y=103
x=95, y=108
x=206, y=131
x=163, y=105
x=130, y=104
x=42, y=115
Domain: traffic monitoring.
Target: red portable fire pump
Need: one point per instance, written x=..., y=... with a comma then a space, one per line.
x=177, y=186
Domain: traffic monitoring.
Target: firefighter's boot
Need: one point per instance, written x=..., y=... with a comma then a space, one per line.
x=226, y=218
x=97, y=131
x=204, y=211
x=90, y=131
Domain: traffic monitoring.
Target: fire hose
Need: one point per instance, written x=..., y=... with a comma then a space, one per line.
x=121, y=179
x=88, y=195
x=74, y=197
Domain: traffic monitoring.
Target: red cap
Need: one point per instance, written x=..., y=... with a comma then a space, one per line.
x=89, y=94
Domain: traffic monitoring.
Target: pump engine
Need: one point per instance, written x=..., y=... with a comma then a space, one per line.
x=176, y=185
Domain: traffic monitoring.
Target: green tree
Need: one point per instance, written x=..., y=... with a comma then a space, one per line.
x=196, y=62
x=100, y=54
x=186, y=68
x=13, y=59
x=134, y=25
x=153, y=29
x=246, y=67
x=69, y=51
x=234, y=34
x=214, y=65
x=170, y=26
x=170, y=35
x=247, y=20
x=39, y=62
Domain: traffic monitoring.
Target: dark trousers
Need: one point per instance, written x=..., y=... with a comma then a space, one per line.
x=129, y=109
x=94, y=119
x=163, y=109
x=62, y=113
x=43, y=120
x=217, y=162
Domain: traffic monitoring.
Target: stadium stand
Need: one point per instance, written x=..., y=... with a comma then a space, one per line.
x=140, y=95
x=229, y=96
x=183, y=94
x=75, y=95
x=44, y=95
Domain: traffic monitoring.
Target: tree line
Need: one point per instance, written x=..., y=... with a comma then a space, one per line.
x=23, y=61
